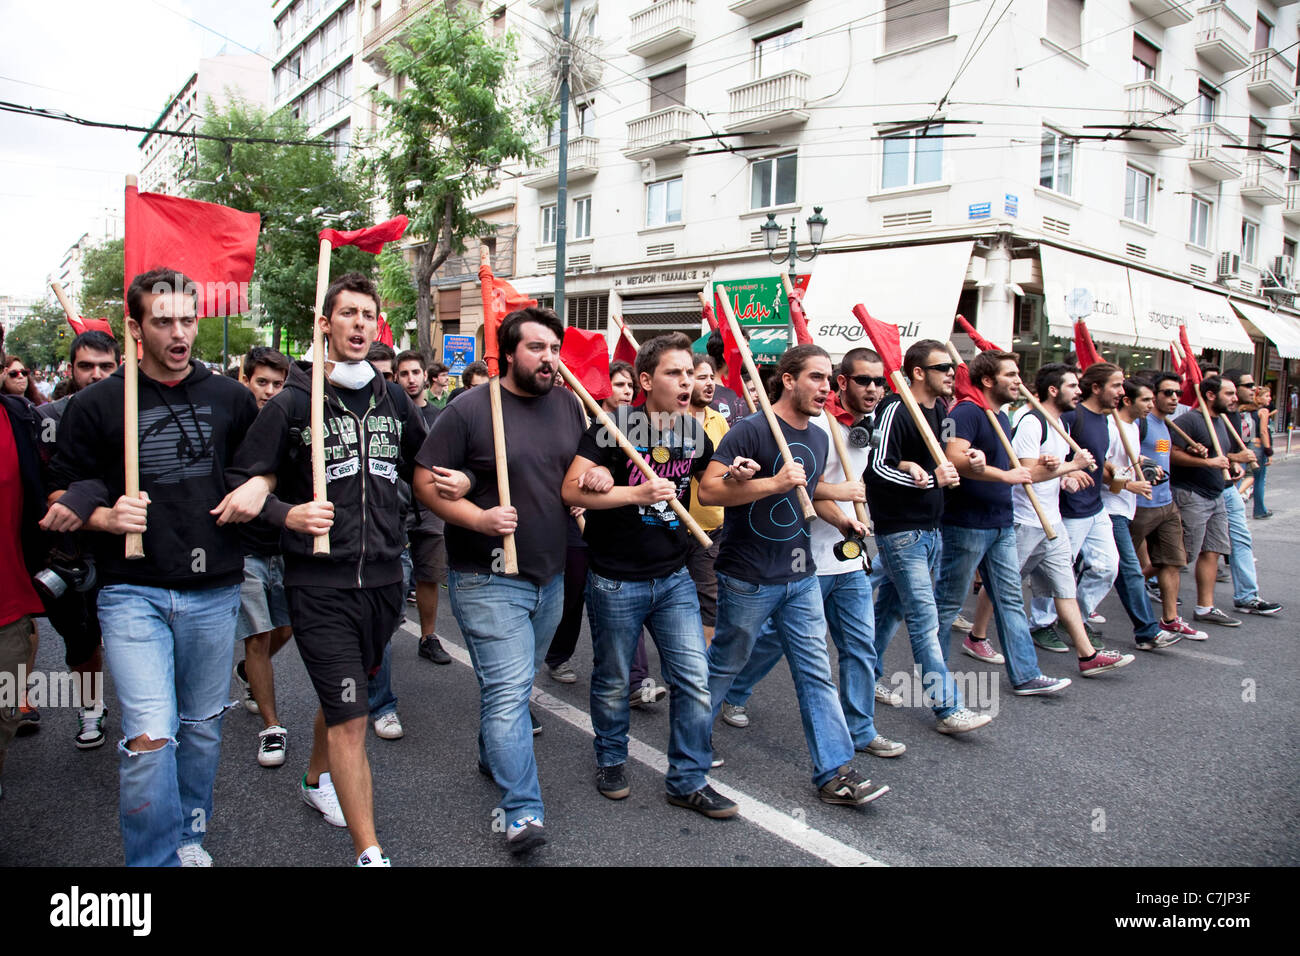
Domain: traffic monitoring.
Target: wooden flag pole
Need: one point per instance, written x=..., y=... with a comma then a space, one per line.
x=744, y=392
x=1205, y=412
x=805, y=500
x=131, y=427
x=321, y=544
x=1011, y=457
x=859, y=509
x=623, y=329
x=923, y=426
x=633, y=455
x=1054, y=423
x=64, y=301
x=509, y=551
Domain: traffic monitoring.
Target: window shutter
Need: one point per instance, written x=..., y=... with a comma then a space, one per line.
x=1144, y=52
x=909, y=22
x=668, y=89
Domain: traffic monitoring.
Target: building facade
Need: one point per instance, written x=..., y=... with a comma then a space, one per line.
x=14, y=309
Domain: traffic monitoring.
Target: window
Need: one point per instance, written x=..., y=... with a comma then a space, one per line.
x=1289, y=248
x=668, y=89
x=1255, y=133
x=663, y=203
x=553, y=134
x=1249, y=240
x=330, y=35
x=1207, y=98
x=1199, y=234
x=582, y=218
x=1137, y=195
x=375, y=16
x=777, y=53
x=1293, y=167
x=771, y=181
x=581, y=115
x=1056, y=162
x=1145, y=57
x=1263, y=33
x=910, y=22
x=912, y=158
x=1065, y=23
x=499, y=22
x=549, y=219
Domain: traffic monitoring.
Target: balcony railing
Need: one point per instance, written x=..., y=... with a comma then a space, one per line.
x=753, y=9
x=376, y=38
x=774, y=102
x=1222, y=38
x=584, y=161
x=1209, y=158
x=661, y=133
x=1263, y=181
x=661, y=27
x=1155, y=110
x=1272, y=77
x=1291, y=210
x=1165, y=13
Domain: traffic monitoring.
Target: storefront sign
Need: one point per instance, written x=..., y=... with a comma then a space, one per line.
x=667, y=277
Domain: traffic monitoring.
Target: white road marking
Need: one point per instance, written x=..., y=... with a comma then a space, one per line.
x=782, y=825
x=1202, y=656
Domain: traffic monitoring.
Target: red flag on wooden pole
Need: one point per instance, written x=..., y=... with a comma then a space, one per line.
x=1085, y=352
x=370, y=239
x=983, y=344
x=586, y=355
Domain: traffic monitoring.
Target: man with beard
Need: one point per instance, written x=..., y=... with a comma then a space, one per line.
x=1241, y=562
x=636, y=548
x=979, y=531
x=700, y=560
x=508, y=620
x=764, y=569
x=906, y=502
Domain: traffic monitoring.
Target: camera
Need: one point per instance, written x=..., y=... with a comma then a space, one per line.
x=1151, y=472
x=852, y=548
x=64, y=572
x=859, y=437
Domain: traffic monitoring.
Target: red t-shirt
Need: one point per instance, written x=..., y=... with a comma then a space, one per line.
x=17, y=595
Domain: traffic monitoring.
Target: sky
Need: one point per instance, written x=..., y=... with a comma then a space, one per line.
x=110, y=60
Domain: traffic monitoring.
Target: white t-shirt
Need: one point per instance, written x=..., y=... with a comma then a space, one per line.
x=1029, y=442
x=826, y=536
x=1120, y=502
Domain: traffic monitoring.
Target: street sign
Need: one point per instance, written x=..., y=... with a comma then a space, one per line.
x=1011, y=205
x=457, y=352
x=980, y=210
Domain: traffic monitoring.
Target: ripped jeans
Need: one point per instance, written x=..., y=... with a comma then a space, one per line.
x=169, y=653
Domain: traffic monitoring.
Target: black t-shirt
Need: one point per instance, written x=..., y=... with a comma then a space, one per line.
x=728, y=404
x=1206, y=482
x=542, y=434
x=767, y=541
x=640, y=542
x=1089, y=430
x=423, y=520
x=974, y=503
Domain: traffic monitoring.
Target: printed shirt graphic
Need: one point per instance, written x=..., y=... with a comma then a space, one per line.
x=1156, y=446
x=640, y=542
x=768, y=541
x=175, y=443
x=381, y=434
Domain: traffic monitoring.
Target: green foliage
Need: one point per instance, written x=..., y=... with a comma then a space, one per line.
x=102, y=283
x=207, y=344
x=396, y=288
x=41, y=341
x=294, y=189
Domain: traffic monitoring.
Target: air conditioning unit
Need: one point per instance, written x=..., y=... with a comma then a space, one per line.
x=1283, y=269
x=1229, y=265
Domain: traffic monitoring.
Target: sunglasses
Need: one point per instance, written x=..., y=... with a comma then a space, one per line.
x=864, y=380
x=944, y=367
x=1170, y=392
x=18, y=373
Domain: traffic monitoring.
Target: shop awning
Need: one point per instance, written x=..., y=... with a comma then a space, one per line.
x=1106, y=282
x=914, y=287
x=1160, y=305
x=766, y=344
x=1280, y=329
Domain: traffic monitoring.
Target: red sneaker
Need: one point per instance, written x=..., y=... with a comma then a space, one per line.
x=1104, y=661
x=1179, y=626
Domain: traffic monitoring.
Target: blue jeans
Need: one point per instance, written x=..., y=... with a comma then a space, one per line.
x=1257, y=495
x=669, y=608
x=170, y=654
x=903, y=580
x=846, y=602
x=379, y=689
x=508, y=624
x=1242, y=559
x=993, y=551
x=1129, y=583
x=1094, y=538
x=796, y=612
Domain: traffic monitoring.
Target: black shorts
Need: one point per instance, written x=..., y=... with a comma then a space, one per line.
x=76, y=618
x=341, y=635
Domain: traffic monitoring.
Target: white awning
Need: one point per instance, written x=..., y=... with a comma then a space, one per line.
x=913, y=287
x=1111, y=319
x=1281, y=329
x=1217, y=325
x=1160, y=305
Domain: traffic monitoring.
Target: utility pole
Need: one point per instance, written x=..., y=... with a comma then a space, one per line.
x=562, y=193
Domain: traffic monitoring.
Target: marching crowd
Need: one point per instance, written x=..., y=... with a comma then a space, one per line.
x=742, y=540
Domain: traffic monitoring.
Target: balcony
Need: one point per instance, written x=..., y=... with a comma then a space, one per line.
x=1293, y=112
x=389, y=30
x=584, y=163
x=1291, y=211
x=547, y=5
x=1166, y=13
x=754, y=9
x=662, y=27
x=774, y=102
x=1222, y=38
x=1149, y=105
x=1263, y=181
x=1209, y=158
x=1272, y=77
x=538, y=76
x=661, y=133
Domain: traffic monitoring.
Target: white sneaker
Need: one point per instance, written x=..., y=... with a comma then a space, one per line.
x=271, y=745
x=193, y=854
x=388, y=726
x=373, y=856
x=961, y=624
x=323, y=798
x=90, y=727
x=887, y=695
x=961, y=721
x=1095, y=618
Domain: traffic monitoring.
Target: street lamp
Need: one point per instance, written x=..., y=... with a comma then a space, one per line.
x=772, y=235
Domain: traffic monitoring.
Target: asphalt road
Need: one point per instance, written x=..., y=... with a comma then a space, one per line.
x=1187, y=757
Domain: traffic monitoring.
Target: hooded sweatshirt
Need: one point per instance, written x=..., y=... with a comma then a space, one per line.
x=188, y=435
x=366, y=459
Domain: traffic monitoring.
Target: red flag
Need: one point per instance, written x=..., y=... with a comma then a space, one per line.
x=981, y=343
x=966, y=390
x=499, y=300
x=707, y=314
x=797, y=317
x=214, y=246
x=1191, y=370
x=838, y=412
x=586, y=355
x=385, y=331
x=1085, y=352
x=370, y=239
x=731, y=355
x=82, y=324
x=624, y=351
x=1176, y=361
x=884, y=338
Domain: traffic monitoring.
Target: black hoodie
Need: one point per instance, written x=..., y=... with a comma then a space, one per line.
x=188, y=436
x=368, y=536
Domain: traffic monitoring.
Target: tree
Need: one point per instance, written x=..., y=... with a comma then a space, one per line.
x=207, y=344
x=102, y=284
x=447, y=135
x=396, y=288
x=298, y=190
x=43, y=339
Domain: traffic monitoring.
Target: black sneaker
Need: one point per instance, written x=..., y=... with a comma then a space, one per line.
x=525, y=835
x=612, y=782
x=537, y=724
x=29, y=721
x=1257, y=606
x=431, y=649
x=707, y=801
x=850, y=788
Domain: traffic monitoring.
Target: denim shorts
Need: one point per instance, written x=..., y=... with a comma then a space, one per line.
x=262, y=604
